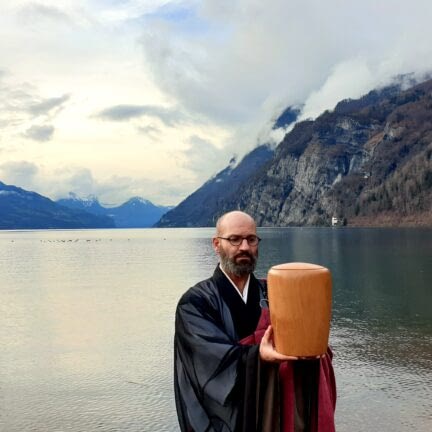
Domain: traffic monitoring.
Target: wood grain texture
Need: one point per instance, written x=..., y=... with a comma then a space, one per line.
x=300, y=308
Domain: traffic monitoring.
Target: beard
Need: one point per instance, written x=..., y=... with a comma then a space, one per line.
x=230, y=265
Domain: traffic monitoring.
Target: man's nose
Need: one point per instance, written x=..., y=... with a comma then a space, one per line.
x=244, y=245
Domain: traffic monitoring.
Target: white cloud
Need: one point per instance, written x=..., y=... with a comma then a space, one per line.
x=21, y=104
x=19, y=173
x=251, y=55
x=58, y=182
x=39, y=132
x=35, y=11
x=201, y=157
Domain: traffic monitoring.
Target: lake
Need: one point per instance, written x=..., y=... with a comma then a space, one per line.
x=87, y=317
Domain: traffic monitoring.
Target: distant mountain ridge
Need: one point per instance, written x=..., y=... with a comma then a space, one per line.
x=21, y=209
x=137, y=212
x=368, y=162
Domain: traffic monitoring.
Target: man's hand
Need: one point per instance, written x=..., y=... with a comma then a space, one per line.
x=269, y=354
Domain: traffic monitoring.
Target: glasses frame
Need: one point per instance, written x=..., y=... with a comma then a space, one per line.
x=241, y=240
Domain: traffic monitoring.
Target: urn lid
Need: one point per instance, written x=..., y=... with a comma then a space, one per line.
x=297, y=266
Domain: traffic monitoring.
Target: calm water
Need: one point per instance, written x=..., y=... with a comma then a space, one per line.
x=86, y=324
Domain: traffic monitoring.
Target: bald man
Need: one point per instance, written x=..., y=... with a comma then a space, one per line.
x=223, y=380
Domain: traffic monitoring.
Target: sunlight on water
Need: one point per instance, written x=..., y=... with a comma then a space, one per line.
x=87, y=323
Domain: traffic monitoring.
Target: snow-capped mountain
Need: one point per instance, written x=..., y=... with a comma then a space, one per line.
x=137, y=212
x=21, y=209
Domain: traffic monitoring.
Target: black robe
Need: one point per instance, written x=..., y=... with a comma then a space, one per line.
x=210, y=365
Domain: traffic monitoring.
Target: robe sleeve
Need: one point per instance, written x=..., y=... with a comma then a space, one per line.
x=209, y=365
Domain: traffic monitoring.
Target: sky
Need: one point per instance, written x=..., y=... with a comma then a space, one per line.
x=124, y=98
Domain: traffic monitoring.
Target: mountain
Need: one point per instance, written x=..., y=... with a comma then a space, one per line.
x=288, y=116
x=21, y=209
x=135, y=213
x=90, y=204
x=200, y=208
x=368, y=162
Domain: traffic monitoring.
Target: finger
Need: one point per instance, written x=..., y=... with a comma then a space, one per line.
x=267, y=335
x=270, y=331
x=283, y=357
x=309, y=358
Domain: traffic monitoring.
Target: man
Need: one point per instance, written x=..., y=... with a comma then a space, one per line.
x=224, y=380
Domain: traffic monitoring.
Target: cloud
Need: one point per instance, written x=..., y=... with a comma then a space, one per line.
x=113, y=190
x=119, y=113
x=48, y=106
x=119, y=11
x=252, y=58
x=22, y=105
x=118, y=189
x=37, y=11
x=201, y=157
x=150, y=130
x=39, y=133
x=58, y=17
x=362, y=78
x=19, y=173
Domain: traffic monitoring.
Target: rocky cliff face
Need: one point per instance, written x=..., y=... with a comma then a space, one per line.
x=368, y=162
x=368, y=159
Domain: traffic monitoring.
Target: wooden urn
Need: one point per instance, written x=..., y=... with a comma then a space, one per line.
x=300, y=308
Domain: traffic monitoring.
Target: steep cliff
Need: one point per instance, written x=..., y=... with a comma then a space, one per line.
x=201, y=207
x=368, y=161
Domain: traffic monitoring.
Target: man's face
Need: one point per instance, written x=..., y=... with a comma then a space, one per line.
x=237, y=260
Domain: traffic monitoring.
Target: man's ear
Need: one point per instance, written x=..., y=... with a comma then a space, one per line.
x=215, y=242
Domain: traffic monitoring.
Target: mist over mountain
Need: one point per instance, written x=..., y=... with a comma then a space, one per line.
x=367, y=162
x=201, y=207
x=287, y=117
x=137, y=212
x=21, y=209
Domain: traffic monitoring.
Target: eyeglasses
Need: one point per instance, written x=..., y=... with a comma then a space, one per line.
x=252, y=240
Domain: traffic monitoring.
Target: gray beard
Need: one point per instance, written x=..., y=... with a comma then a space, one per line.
x=236, y=269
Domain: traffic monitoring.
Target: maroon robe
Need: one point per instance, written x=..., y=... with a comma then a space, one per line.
x=284, y=391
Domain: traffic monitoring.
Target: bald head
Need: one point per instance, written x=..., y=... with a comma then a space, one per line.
x=236, y=243
x=234, y=219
